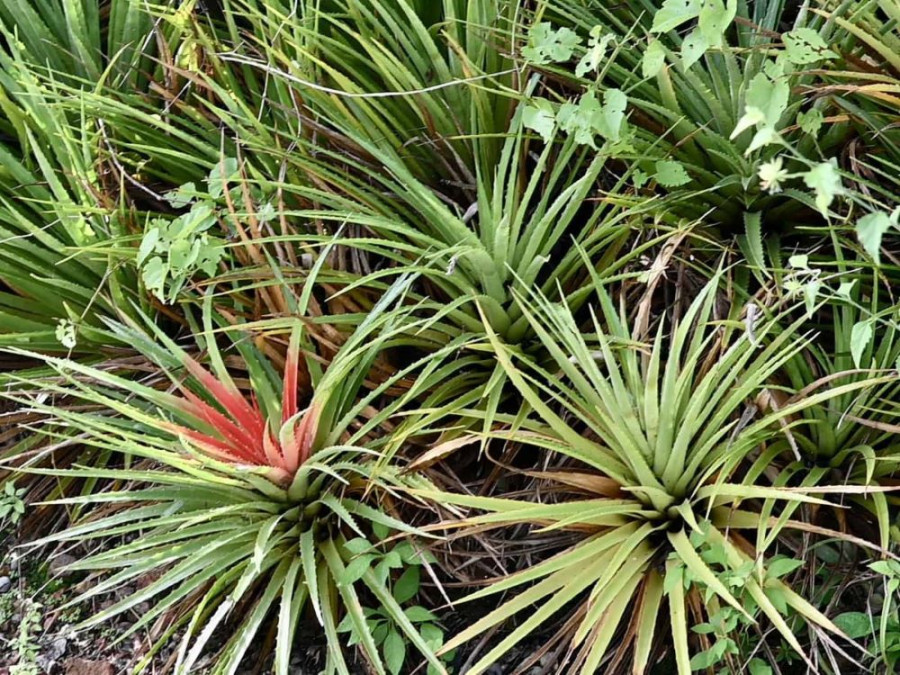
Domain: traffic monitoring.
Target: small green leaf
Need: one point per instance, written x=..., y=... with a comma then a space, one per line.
x=888, y=568
x=799, y=261
x=810, y=295
x=765, y=102
x=65, y=333
x=226, y=170
x=781, y=567
x=860, y=337
x=693, y=47
x=673, y=13
x=811, y=121
x=777, y=598
x=382, y=572
x=546, y=45
x=759, y=667
x=845, y=289
x=762, y=138
x=579, y=119
x=394, y=652
x=710, y=657
x=148, y=243
x=346, y=624
x=654, y=59
x=715, y=18
x=674, y=577
x=355, y=570
x=804, y=46
x=432, y=635
x=266, y=212
x=407, y=585
x=825, y=179
x=182, y=196
x=855, y=624
x=357, y=545
x=870, y=229
x=612, y=115
x=539, y=117
x=671, y=174
x=419, y=614
x=380, y=632
x=639, y=178
x=598, y=45
x=154, y=273
x=380, y=530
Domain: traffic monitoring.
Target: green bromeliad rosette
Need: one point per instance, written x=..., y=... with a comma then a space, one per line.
x=658, y=464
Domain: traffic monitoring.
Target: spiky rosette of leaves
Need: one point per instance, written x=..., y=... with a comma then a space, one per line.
x=238, y=510
x=852, y=435
x=664, y=471
x=241, y=433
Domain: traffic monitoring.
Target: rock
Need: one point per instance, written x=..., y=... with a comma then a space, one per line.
x=86, y=667
x=59, y=563
x=58, y=648
x=5, y=584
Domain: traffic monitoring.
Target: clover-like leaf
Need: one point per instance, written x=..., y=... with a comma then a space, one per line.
x=612, y=115
x=803, y=46
x=549, y=45
x=154, y=273
x=224, y=172
x=598, y=45
x=673, y=13
x=715, y=17
x=671, y=174
x=539, y=117
x=693, y=47
x=870, y=229
x=769, y=95
x=654, y=59
x=811, y=121
x=825, y=179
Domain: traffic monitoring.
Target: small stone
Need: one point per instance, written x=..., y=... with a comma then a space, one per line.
x=58, y=648
x=86, y=667
x=5, y=584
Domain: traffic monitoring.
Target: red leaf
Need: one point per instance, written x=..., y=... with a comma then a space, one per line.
x=273, y=451
x=289, y=389
x=229, y=398
x=227, y=429
x=211, y=446
x=306, y=433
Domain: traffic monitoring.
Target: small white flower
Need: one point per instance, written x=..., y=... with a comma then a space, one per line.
x=65, y=333
x=771, y=174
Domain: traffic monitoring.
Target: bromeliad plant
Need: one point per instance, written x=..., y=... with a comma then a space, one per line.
x=851, y=437
x=237, y=508
x=658, y=472
x=56, y=199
